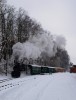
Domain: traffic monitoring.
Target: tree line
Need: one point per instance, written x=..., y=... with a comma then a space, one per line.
x=17, y=26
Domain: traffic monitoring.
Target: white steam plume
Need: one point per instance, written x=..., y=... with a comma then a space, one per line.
x=36, y=45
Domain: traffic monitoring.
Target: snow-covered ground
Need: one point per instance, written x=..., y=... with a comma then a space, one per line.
x=59, y=86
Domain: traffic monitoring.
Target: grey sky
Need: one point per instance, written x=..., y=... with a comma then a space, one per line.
x=56, y=16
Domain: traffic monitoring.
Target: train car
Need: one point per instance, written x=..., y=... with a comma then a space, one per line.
x=60, y=69
x=73, y=69
x=51, y=70
x=34, y=69
x=44, y=70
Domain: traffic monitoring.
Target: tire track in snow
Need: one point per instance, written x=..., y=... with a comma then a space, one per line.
x=35, y=92
x=12, y=84
x=31, y=89
x=43, y=89
x=16, y=87
x=24, y=90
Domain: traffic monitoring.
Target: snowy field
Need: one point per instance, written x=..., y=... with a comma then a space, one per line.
x=59, y=86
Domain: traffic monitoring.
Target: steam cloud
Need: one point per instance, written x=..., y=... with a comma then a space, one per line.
x=36, y=45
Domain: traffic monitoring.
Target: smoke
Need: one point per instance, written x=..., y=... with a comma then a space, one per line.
x=60, y=42
x=36, y=45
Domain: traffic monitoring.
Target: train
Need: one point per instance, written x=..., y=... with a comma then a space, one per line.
x=73, y=69
x=34, y=70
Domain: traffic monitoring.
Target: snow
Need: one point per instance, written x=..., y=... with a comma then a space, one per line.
x=58, y=86
x=2, y=76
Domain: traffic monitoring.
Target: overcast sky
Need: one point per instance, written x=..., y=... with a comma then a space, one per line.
x=56, y=16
